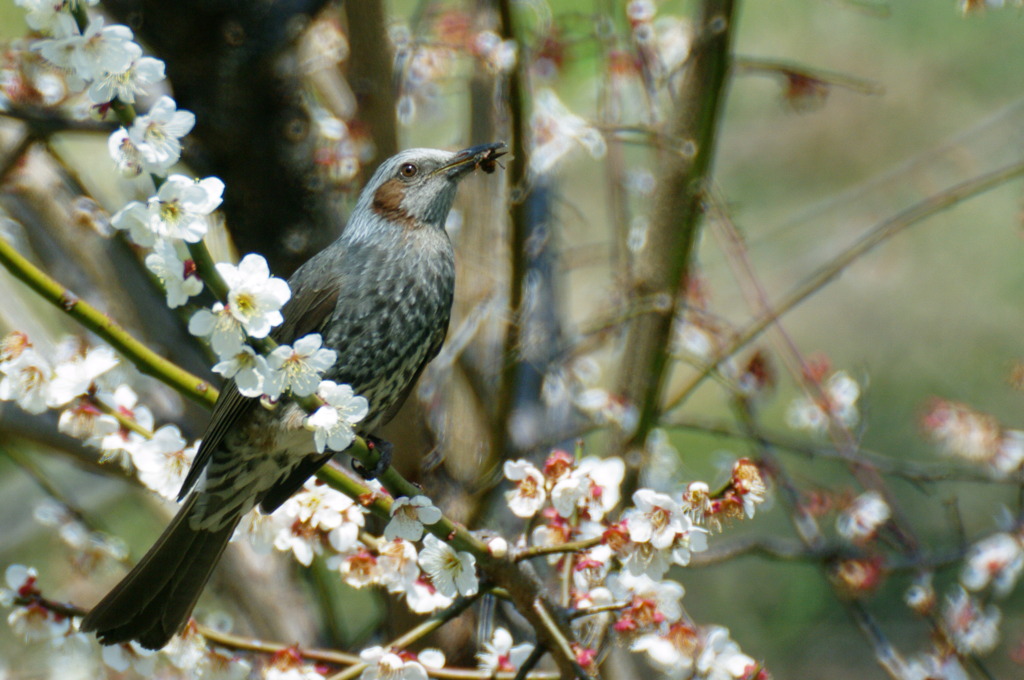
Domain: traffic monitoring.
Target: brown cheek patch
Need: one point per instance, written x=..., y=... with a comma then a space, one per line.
x=387, y=202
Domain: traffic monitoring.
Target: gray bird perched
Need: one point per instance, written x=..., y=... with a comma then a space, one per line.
x=380, y=296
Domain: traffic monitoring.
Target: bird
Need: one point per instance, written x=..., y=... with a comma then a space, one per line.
x=380, y=296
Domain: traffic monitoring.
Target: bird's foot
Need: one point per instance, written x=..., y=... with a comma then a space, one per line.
x=383, y=449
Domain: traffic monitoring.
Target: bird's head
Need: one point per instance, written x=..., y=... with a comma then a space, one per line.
x=415, y=188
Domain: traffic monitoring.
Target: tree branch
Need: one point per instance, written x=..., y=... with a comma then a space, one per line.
x=663, y=266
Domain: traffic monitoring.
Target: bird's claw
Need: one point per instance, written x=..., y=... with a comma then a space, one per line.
x=384, y=449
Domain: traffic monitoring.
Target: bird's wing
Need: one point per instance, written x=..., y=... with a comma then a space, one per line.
x=304, y=313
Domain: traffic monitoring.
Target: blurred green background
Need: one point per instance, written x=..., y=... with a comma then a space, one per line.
x=936, y=311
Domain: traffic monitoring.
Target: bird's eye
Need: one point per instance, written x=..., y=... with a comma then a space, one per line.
x=408, y=170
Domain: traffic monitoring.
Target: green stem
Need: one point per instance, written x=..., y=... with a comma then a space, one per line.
x=144, y=358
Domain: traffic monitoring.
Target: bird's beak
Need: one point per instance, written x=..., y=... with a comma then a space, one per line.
x=467, y=160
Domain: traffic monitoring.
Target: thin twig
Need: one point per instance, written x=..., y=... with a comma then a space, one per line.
x=414, y=635
x=755, y=65
x=883, y=231
x=570, y=547
x=909, y=470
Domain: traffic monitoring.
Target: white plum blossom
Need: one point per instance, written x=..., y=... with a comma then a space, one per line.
x=157, y=135
x=301, y=540
x=664, y=596
x=125, y=154
x=384, y=664
x=592, y=488
x=920, y=595
x=720, y=657
x=221, y=664
x=497, y=546
x=1009, y=455
x=247, y=368
x=529, y=496
x=297, y=367
x=332, y=423
x=997, y=559
x=255, y=297
x=223, y=329
x=37, y=624
x=933, y=666
x=344, y=538
x=665, y=655
x=839, y=393
x=164, y=460
x=260, y=530
x=408, y=515
x=693, y=539
x=605, y=408
x=180, y=210
x=863, y=517
x=399, y=568
x=26, y=380
x=658, y=528
x=187, y=650
x=308, y=515
x=499, y=654
x=656, y=519
x=591, y=568
x=748, y=484
x=59, y=51
x=423, y=598
x=972, y=630
x=432, y=658
x=320, y=506
x=499, y=55
x=130, y=655
x=104, y=49
x=97, y=52
x=74, y=377
x=452, y=572
x=134, y=216
x=120, y=444
x=18, y=579
x=557, y=131
x=141, y=73
x=547, y=536
x=49, y=17
x=359, y=569
x=32, y=622
x=643, y=559
x=177, y=276
x=287, y=667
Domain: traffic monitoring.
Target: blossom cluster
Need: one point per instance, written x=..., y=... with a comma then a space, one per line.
x=976, y=437
x=315, y=521
x=834, y=403
x=320, y=521
x=180, y=213
x=33, y=619
x=573, y=503
x=969, y=620
x=97, y=406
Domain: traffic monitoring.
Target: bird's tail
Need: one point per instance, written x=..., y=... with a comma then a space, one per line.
x=153, y=602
